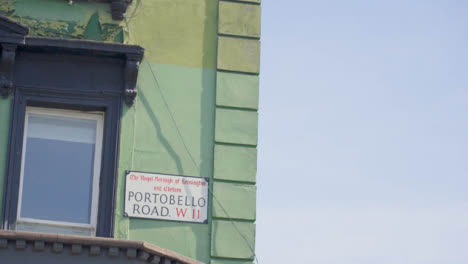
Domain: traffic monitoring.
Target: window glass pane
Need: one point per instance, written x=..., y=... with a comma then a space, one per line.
x=58, y=168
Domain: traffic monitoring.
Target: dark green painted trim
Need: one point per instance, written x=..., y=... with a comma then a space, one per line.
x=73, y=100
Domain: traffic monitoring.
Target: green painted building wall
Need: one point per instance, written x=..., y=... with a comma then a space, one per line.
x=195, y=113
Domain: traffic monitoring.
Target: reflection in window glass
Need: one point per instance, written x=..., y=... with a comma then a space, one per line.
x=58, y=168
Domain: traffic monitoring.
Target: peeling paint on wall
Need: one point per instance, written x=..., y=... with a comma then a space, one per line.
x=53, y=18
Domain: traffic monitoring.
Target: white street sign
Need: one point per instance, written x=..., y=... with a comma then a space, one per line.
x=166, y=197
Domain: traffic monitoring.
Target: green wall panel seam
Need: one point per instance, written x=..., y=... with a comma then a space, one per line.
x=237, y=36
x=239, y=72
x=235, y=144
x=235, y=259
x=237, y=108
x=227, y=219
x=236, y=182
x=242, y=2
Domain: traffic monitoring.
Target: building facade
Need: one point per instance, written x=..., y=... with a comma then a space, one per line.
x=156, y=87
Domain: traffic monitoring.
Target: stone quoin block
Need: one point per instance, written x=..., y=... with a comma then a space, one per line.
x=238, y=54
x=236, y=126
x=239, y=19
x=235, y=163
x=227, y=242
x=237, y=200
x=237, y=90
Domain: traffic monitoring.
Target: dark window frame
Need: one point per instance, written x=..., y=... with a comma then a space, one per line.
x=65, y=74
x=70, y=100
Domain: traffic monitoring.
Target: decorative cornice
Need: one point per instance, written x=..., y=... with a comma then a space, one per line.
x=118, y=7
x=87, y=46
x=13, y=34
x=140, y=250
x=12, y=27
x=7, y=62
x=130, y=78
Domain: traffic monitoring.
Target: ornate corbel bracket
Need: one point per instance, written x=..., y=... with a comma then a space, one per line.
x=7, y=62
x=130, y=78
x=118, y=8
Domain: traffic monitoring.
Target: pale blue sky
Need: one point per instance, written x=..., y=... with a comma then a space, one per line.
x=363, y=134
